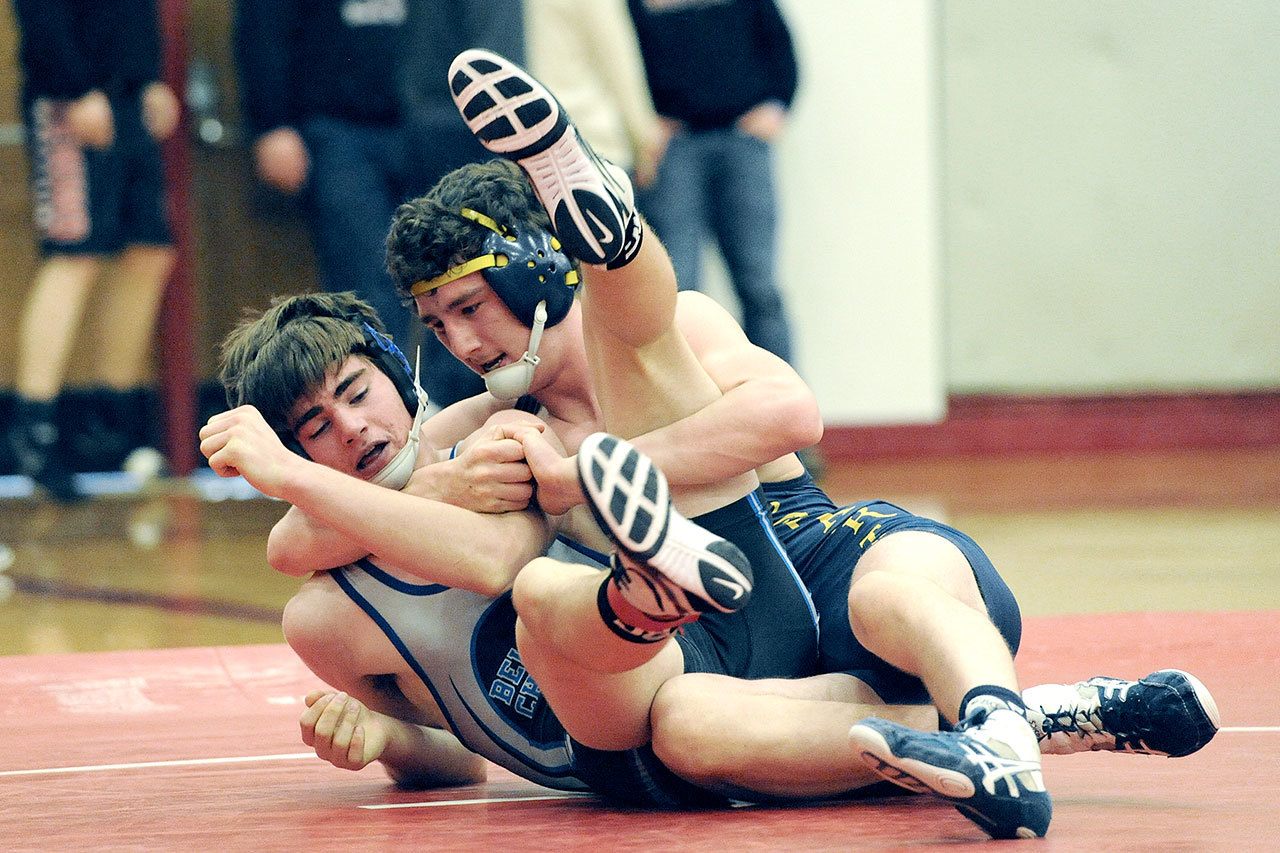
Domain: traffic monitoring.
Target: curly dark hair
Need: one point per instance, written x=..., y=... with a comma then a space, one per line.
x=429, y=234
x=270, y=360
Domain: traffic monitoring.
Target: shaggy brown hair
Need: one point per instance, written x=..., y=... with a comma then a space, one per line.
x=429, y=234
x=274, y=358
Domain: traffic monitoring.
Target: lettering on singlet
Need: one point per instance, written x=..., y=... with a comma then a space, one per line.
x=514, y=687
x=854, y=517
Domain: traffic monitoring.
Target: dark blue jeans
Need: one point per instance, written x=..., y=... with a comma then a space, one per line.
x=719, y=184
x=359, y=175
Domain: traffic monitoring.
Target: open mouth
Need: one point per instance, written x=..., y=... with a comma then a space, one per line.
x=371, y=456
x=494, y=364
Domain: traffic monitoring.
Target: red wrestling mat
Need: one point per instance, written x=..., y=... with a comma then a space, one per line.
x=198, y=748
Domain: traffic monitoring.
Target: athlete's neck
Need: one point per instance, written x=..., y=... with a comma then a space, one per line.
x=566, y=392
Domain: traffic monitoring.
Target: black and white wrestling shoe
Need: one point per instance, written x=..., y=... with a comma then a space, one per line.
x=988, y=767
x=666, y=566
x=1169, y=712
x=590, y=201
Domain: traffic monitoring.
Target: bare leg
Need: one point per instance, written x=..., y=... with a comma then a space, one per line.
x=47, y=332
x=50, y=322
x=127, y=306
x=644, y=372
x=778, y=738
x=914, y=602
x=600, y=685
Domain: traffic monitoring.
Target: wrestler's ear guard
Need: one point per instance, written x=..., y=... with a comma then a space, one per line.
x=514, y=380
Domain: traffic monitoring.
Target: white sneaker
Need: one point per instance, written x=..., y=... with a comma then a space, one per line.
x=666, y=566
x=590, y=201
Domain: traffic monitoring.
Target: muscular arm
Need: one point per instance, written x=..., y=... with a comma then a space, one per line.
x=432, y=540
x=298, y=545
x=767, y=410
x=489, y=475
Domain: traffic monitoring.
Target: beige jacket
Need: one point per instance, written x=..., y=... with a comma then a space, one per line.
x=585, y=52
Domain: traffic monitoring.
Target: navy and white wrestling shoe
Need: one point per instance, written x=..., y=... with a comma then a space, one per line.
x=666, y=566
x=1170, y=712
x=590, y=201
x=977, y=767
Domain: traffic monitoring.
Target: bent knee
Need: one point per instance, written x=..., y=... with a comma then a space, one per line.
x=313, y=617
x=688, y=734
x=538, y=586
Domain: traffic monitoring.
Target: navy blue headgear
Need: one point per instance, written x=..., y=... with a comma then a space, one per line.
x=376, y=346
x=388, y=358
x=523, y=268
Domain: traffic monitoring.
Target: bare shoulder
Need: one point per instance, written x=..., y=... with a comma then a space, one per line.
x=451, y=425
x=705, y=323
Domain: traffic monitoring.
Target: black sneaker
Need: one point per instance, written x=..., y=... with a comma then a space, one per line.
x=38, y=455
x=1170, y=712
x=589, y=200
x=667, y=566
x=974, y=767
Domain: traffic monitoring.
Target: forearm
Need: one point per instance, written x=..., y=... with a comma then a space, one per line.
x=298, y=545
x=748, y=427
x=435, y=541
x=765, y=411
x=422, y=757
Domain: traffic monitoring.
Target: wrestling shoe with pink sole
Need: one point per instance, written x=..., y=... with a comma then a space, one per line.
x=590, y=201
x=666, y=565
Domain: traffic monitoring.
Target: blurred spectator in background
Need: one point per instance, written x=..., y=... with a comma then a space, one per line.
x=344, y=102
x=94, y=109
x=722, y=74
x=586, y=52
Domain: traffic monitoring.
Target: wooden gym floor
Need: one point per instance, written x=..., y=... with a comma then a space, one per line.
x=148, y=701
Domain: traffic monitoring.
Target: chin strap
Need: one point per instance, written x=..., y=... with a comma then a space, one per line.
x=514, y=380
x=396, y=473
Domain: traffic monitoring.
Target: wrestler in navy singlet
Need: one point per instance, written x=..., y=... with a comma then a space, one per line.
x=825, y=542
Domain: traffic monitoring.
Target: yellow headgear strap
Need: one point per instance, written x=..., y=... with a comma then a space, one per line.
x=484, y=262
x=466, y=268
